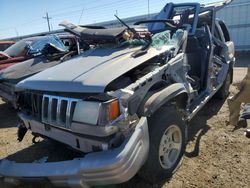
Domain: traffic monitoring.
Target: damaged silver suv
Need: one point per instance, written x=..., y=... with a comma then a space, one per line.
x=125, y=103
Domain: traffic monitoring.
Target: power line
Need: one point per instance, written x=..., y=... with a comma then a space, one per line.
x=70, y=7
x=104, y=9
x=96, y=8
x=25, y=23
x=108, y=14
x=115, y=4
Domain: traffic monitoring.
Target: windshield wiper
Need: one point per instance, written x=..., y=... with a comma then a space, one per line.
x=129, y=28
x=147, y=38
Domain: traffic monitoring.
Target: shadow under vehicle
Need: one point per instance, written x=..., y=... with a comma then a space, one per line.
x=126, y=102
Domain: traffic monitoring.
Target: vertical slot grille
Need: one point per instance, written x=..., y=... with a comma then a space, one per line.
x=58, y=111
x=35, y=101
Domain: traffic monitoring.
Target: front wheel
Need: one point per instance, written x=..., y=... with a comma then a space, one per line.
x=167, y=145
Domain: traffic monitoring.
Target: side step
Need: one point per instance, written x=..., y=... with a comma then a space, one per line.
x=196, y=106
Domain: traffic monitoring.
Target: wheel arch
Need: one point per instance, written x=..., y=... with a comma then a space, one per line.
x=175, y=92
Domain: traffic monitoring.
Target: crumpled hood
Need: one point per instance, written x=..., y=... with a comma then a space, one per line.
x=89, y=73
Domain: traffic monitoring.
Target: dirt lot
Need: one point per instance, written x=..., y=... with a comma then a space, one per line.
x=217, y=155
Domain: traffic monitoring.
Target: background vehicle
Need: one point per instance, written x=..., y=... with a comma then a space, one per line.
x=49, y=56
x=6, y=44
x=127, y=101
x=31, y=47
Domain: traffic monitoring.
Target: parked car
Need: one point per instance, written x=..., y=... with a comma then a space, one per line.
x=10, y=76
x=126, y=102
x=31, y=47
x=6, y=44
x=48, y=57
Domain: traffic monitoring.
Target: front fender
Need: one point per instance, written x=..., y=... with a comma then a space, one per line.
x=161, y=97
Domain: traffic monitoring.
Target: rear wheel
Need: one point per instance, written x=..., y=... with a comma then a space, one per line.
x=167, y=145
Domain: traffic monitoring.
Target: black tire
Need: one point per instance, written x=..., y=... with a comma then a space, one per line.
x=223, y=92
x=165, y=118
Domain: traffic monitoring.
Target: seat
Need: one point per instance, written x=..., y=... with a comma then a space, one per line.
x=197, y=56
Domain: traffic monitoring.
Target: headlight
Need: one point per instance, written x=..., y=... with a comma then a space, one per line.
x=96, y=113
x=87, y=112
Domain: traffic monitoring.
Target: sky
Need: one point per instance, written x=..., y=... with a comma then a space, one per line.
x=21, y=17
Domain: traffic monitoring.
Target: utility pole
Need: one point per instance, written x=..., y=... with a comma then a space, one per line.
x=16, y=32
x=80, y=16
x=47, y=18
x=148, y=10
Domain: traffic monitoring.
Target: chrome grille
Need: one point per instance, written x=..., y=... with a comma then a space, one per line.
x=58, y=111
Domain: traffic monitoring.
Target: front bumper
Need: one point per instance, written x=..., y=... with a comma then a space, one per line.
x=99, y=168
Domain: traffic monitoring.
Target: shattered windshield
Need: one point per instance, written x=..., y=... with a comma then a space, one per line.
x=17, y=49
x=158, y=40
x=34, y=46
x=164, y=38
x=38, y=45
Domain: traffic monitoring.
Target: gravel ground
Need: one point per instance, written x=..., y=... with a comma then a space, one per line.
x=217, y=155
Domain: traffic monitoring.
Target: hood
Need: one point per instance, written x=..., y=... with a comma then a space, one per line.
x=20, y=71
x=90, y=72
